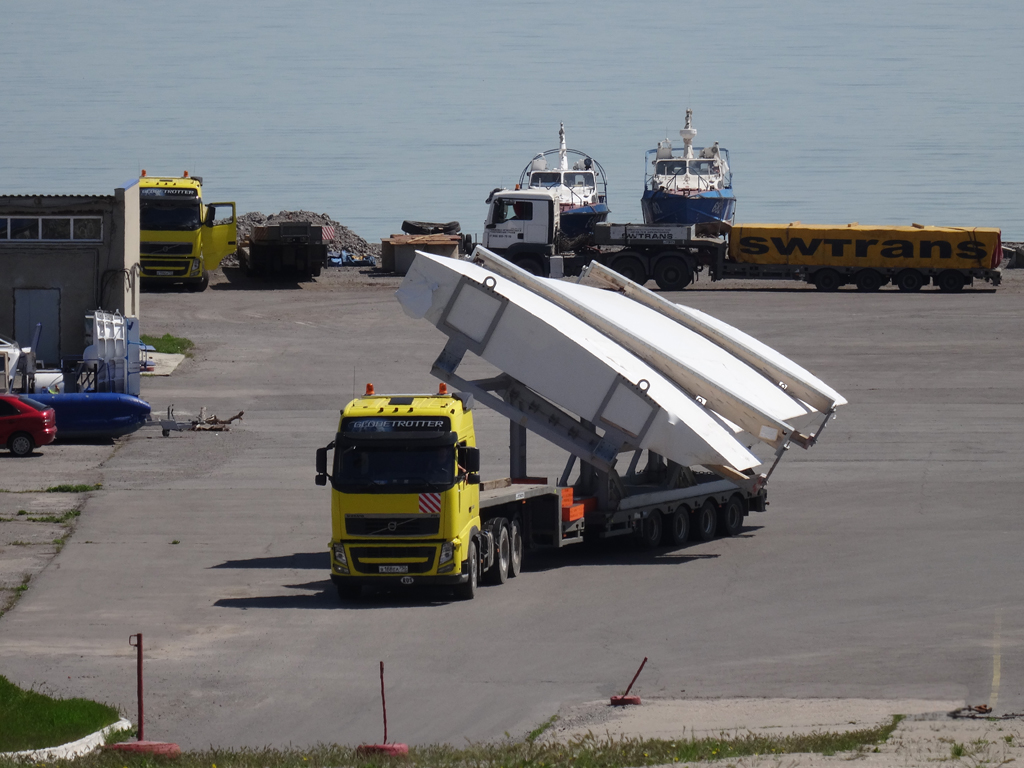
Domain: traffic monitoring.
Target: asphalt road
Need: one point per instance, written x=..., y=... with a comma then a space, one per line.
x=887, y=566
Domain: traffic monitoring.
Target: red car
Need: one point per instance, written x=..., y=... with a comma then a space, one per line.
x=25, y=424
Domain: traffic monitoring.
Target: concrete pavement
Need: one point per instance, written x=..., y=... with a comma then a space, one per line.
x=887, y=566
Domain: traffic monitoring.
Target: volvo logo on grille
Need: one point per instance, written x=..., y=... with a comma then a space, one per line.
x=407, y=579
x=392, y=526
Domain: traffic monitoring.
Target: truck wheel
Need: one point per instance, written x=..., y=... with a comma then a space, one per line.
x=650, y=530
x=630, y=267
x=730, y=517
x=20, y=444
x=672, y=273
x=515, y=540
x=678, y=528
x=827, y=280
x=909, y=280
x=531, y=264
x=868, y=280
x=705, y=521
x=467, y=591
x=498, y=573
x=199, y=285
x=950, y=281
x=349, y=593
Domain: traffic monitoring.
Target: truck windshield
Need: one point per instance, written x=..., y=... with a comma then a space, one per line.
x=395, y=468
x=169, y=216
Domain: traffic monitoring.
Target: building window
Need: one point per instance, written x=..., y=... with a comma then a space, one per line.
x=51, y=228
x=56, y=229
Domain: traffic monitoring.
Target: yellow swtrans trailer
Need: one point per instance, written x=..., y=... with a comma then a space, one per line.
x=182, y=238
x=868, y=257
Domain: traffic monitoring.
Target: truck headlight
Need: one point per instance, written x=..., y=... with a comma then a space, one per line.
x=447, y=552
x=340, y=561
x=196, y=264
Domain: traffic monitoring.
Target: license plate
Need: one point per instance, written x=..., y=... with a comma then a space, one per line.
x=164, y=272
x=392, y=569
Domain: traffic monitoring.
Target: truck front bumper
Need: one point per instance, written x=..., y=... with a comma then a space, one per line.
x=448, y=580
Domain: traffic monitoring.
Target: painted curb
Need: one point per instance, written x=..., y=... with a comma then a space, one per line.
x=83, y=746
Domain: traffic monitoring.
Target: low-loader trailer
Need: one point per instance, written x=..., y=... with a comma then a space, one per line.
x=523, y=226
x=407, y=503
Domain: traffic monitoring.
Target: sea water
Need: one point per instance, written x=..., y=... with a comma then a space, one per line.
x=874, y=111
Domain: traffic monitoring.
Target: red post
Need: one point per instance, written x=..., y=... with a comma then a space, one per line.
x=138, y=647
x=625, y=694
x=383, y=703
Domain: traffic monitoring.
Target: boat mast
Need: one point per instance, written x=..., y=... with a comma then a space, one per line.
x=563, y=163
x=689, y=133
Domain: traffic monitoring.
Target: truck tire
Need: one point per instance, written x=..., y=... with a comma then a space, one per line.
x=910, y=280
x=628, y=264
x=705, y=521
x=515, y=541
x=827, y=280
x=677, y=531
x=498, y=573
x=672, y=273
x=950, y=281
x=467, y=591
x=868, y=280
x=349, y=593
x=530, y=263
x=730, y=516
x=650, y=530
x=20, y=444
x=198, y=286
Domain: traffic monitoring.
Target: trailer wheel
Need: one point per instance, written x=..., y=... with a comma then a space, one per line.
x=827, y=280
x=909, y=280
x=467, y=591
x=650, y=530
x=515, y=540
x=705, y=521
x=672, y=273
x=678, y=528
x=868, y=280
x=349, y=593
x=531, y=264
x=730, y=517
x=950, y=281
x=498, y=573
x=630, y=267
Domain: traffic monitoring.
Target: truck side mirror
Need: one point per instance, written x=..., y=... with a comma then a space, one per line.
x=470, y=459
x=321, y=464
x=321, y=479
x=473, y=478
x=211, y=215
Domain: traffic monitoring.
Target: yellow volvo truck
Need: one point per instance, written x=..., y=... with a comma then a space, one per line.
x=408, y=507
x=182, y=238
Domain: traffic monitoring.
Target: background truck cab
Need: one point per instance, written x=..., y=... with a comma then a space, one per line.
x=182, y=238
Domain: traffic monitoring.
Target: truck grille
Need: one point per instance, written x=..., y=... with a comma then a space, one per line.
x=392, y=525
x=424, y=554
x=166, y=249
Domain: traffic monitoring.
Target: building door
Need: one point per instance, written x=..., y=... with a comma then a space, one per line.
x=33, y=306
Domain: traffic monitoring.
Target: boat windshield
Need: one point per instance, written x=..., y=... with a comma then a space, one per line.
x=579, y=180
x=694, y=167
x=395, y=468
x=545, y=179
x=174, y=216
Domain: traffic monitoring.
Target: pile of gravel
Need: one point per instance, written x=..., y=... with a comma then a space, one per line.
x=344, y=238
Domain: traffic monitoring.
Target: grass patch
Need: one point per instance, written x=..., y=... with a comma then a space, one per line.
x=32, y=720
x=586, y=752
x=73, y=488
x=169, y=345
x=63, y=518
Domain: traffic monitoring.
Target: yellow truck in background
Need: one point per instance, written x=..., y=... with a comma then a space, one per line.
x=182, y=238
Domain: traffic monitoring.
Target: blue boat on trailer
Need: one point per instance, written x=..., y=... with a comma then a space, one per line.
x=689, y=186
x=581, y=190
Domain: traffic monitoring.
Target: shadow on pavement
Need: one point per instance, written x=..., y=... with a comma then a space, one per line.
x=320, y=561
x=237, y=280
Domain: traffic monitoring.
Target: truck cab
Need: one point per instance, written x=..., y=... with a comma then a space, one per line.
x=182, y=238
x=405, y=496
x=521, y=226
